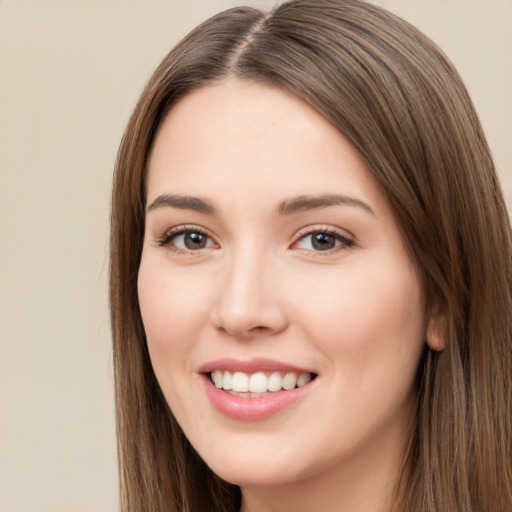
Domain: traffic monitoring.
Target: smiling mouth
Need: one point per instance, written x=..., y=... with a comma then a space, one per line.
x=260, y=383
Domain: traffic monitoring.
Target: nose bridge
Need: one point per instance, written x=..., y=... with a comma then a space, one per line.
x=247, y=300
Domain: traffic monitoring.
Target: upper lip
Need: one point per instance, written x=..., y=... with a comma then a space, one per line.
x=257, y=364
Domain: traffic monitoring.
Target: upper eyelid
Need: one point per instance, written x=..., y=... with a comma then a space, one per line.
x=308, y=230
x=183, y=228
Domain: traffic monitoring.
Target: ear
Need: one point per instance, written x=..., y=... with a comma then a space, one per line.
x=435, y=333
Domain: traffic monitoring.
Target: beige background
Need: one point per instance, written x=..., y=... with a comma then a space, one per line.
x=70, y=72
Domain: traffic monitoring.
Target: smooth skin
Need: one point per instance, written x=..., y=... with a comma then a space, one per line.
x=241, y=274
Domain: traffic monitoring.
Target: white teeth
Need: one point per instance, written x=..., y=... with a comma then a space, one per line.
x=289, y=381
x=227, y=383
x=245, y=384
x=258, y=383
x=240, y=382
x=303, y=379
x=274, y=382
x=217, y=379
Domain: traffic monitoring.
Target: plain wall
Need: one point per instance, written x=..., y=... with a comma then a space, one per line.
x=70, y=73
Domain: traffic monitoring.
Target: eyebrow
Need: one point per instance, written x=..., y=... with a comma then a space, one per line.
x=287, y=207
x=183, y=202
x=305, y=203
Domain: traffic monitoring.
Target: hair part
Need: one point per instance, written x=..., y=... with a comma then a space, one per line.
x=394, y=95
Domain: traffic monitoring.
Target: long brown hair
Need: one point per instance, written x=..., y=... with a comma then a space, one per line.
x=403, y=107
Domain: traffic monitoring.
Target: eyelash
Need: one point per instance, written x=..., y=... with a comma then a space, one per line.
x=345, y=242
x=172, y=234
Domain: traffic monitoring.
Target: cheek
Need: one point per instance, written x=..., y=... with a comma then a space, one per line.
x=173, y=315
x=366, y=316
x=172, y=309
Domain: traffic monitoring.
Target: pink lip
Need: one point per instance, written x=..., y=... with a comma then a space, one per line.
x=257, y=364
x=252, y=408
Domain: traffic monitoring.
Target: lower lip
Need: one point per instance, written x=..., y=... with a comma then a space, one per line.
x=253, y=408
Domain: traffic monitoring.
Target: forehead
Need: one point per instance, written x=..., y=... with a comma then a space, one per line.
x=257, y=139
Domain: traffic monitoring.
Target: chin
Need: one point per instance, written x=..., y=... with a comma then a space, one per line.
x=255, y=475
x=253, y=467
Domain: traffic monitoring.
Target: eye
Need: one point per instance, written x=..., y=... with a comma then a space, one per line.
x=183, y=239
x=322, y=241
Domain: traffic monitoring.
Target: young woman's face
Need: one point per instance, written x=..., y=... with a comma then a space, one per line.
x=272, y=264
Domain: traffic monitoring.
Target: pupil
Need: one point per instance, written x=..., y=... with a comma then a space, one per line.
x=323, y=242
x=195, y=241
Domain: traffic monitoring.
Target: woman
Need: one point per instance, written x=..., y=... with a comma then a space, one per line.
x=310, y=274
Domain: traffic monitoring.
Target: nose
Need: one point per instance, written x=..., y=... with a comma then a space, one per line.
x=249, y=299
